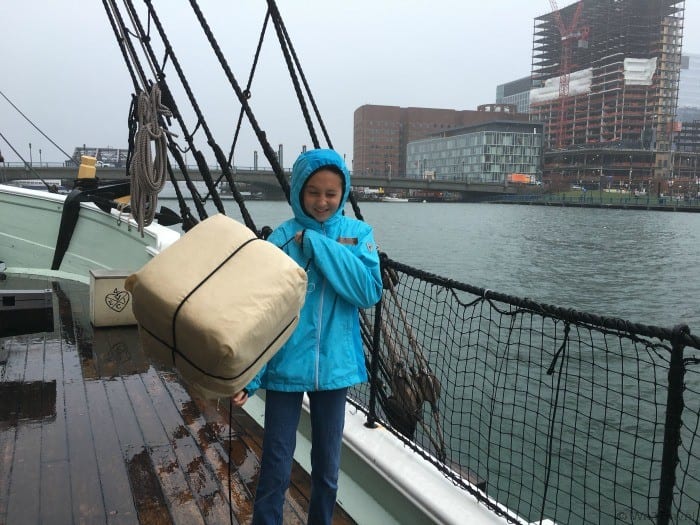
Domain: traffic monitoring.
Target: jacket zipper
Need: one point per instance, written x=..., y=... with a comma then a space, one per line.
x=317, y=357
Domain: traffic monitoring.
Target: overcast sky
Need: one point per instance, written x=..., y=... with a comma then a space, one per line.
x=61, y=66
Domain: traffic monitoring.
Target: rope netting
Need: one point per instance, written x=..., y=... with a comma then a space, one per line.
x=553, y=413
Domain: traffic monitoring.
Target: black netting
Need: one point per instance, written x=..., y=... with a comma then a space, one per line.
x=554, y=413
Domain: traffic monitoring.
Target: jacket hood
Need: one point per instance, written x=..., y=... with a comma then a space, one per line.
x=306, y=165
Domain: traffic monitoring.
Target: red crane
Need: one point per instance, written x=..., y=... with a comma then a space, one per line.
x=569, y=35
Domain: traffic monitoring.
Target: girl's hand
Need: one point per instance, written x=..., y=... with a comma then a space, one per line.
x=240, y=398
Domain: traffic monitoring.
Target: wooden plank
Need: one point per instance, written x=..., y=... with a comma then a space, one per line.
x=86, y=497
x=7, y=450
x=34, y=363
x=55, y=505
x=183, y=508
x=147, y=418
x=148, y=495
x=195, y=453
x=24, y=465
x=54, y=443
x=244, y=465
x=86, y=493
x=23, y=503
x=55, y=493
x=16, y=359
x=114, y=480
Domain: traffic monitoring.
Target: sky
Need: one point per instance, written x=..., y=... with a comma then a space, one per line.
x=61, y=66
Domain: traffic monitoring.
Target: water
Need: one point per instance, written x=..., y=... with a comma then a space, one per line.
x=641, y=266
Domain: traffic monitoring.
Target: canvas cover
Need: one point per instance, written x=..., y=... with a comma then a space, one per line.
x=217, y=304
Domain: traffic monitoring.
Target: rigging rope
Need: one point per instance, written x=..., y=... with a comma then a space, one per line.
x=39, y=130
x=201, y=162
x=147, y=171
x=50, y=187
x=246, y=92
x=292, y=61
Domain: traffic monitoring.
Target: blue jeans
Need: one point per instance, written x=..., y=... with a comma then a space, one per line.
x=282, y=410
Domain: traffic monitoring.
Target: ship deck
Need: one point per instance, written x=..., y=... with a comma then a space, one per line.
x=91, y=432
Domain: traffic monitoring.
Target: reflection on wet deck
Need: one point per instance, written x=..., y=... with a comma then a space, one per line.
x=90, y=432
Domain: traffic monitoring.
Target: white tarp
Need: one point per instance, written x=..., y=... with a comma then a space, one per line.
x=639, y=71
x=579, y=84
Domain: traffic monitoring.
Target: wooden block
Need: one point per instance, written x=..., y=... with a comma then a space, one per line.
x=110, y=303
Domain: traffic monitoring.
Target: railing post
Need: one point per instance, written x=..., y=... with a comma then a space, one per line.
x=672, y=426
x=374, y=363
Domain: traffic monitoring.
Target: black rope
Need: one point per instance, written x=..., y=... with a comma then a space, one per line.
x=249, y=84
x=138, y=76
x=188, y=220
x=225, y=167
x=259, y=133
x=277, y=21
x=552, y=415
x=27, y=165
x=172, y=105
x=109, y=8
x=292, y=60
x=39, y=130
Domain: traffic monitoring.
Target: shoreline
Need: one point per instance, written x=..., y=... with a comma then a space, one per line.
x=603, y=205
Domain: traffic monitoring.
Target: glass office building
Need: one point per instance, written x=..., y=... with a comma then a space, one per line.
x=516, y=92
x=689, y=89
x=486, y=153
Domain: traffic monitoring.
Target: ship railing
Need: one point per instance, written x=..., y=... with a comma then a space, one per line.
x=555, y=413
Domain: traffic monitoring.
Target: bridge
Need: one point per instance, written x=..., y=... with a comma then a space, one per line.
x=264, y=180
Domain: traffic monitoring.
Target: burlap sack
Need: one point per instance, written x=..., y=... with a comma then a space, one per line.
x=217, y=304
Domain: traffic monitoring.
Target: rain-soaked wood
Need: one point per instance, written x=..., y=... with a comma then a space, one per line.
x=90, y=432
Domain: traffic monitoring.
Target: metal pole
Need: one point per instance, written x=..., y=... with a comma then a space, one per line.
x=30, y=155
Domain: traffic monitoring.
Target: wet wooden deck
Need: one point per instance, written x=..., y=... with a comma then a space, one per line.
x=90, y=432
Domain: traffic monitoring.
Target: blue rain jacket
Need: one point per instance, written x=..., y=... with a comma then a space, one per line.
x=325, y=351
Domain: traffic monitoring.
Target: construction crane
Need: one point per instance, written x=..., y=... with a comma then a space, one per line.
x=569, y=34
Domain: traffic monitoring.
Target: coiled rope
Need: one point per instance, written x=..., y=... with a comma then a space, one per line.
x=148, y=169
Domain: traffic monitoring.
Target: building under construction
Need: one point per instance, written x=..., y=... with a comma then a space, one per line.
x=605, y=85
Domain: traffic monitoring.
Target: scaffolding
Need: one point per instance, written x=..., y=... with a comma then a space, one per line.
x=615, y=124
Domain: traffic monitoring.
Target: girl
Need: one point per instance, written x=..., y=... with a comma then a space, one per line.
x=324, y=355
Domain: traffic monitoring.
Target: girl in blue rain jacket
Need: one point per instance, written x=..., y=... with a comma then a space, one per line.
x=324, y=356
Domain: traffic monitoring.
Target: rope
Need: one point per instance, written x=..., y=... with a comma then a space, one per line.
x=39, y=130
x=148, y=172
x=270, y=154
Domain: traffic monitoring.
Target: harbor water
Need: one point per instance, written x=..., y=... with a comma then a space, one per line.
x=641, y=266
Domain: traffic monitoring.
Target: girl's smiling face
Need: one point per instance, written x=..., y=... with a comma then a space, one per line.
x=322, y=194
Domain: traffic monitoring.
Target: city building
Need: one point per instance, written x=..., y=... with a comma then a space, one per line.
x=381, y=133
x=687, y=140
x=494, y=151
x=515, y=92
x=689, y=88
x=607, y=78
